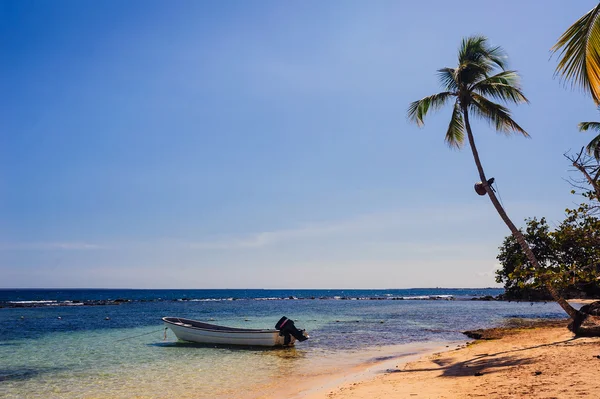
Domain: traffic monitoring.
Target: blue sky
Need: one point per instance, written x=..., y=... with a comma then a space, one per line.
x=264, y=144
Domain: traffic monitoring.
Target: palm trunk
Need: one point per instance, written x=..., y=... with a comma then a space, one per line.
x=515, y=232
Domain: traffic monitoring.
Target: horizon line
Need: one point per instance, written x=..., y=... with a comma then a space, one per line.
x=263, y=289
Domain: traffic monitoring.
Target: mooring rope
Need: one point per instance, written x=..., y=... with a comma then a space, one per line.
x=141, y=335
x=499, y=196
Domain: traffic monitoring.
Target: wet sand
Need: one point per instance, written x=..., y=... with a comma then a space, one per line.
x=341, y=369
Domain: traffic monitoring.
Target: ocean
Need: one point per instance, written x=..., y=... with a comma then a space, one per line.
x=112, y=344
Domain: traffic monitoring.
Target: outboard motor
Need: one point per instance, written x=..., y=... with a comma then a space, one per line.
x=287, y=329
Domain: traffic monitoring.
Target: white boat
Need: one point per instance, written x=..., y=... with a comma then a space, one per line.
x=197, y=331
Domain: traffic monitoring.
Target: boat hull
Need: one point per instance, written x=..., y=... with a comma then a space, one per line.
x=204, y=333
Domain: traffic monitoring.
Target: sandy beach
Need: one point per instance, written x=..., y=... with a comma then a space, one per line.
x=582, y=301
x=540, y=362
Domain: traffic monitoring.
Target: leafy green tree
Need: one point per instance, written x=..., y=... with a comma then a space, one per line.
x=569, y=257
x=579, y=53
x=517, y=273
x=479, y=78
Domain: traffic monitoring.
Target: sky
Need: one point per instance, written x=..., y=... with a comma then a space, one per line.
x=265, y=144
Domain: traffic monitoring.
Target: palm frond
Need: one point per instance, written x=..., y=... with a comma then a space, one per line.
x=495, y=114
x=471, y=48
x=455, y=136
x=506, y=77
x=418, y=109
x=498, y=56
x=593, y=148
x=579, y=53
x=503, y=86
x=585, y=126
x=476, y=49
x=447, y=78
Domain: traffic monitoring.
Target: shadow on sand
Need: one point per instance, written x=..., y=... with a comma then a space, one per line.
x=484, y=363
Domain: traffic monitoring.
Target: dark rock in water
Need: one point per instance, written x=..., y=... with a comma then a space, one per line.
x=484, y=298
x=475, y=334
x=478, y=374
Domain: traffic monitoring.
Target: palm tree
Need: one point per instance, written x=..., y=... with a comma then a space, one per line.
x=471, y=85
x=593, y=148
x=579, y=57
x=579, y=61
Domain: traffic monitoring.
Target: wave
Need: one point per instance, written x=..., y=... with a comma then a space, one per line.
x=207, y=299
x=120, y=301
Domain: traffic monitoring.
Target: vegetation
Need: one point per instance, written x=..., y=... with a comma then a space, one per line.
x=593, y=148
x=588, y=186
x=579, y=62
x=579, y=53
x=569, y=257
x=479, y=78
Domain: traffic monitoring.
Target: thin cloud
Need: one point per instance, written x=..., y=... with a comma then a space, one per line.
x=264, y=239
x=370, y=223
x=49, y=246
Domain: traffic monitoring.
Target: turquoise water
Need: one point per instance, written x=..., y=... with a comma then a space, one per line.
x=65, y=351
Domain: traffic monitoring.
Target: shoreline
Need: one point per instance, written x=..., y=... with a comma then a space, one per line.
x=540, y=360
x=367, y=372
x=582, y=301
x=349, y=369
